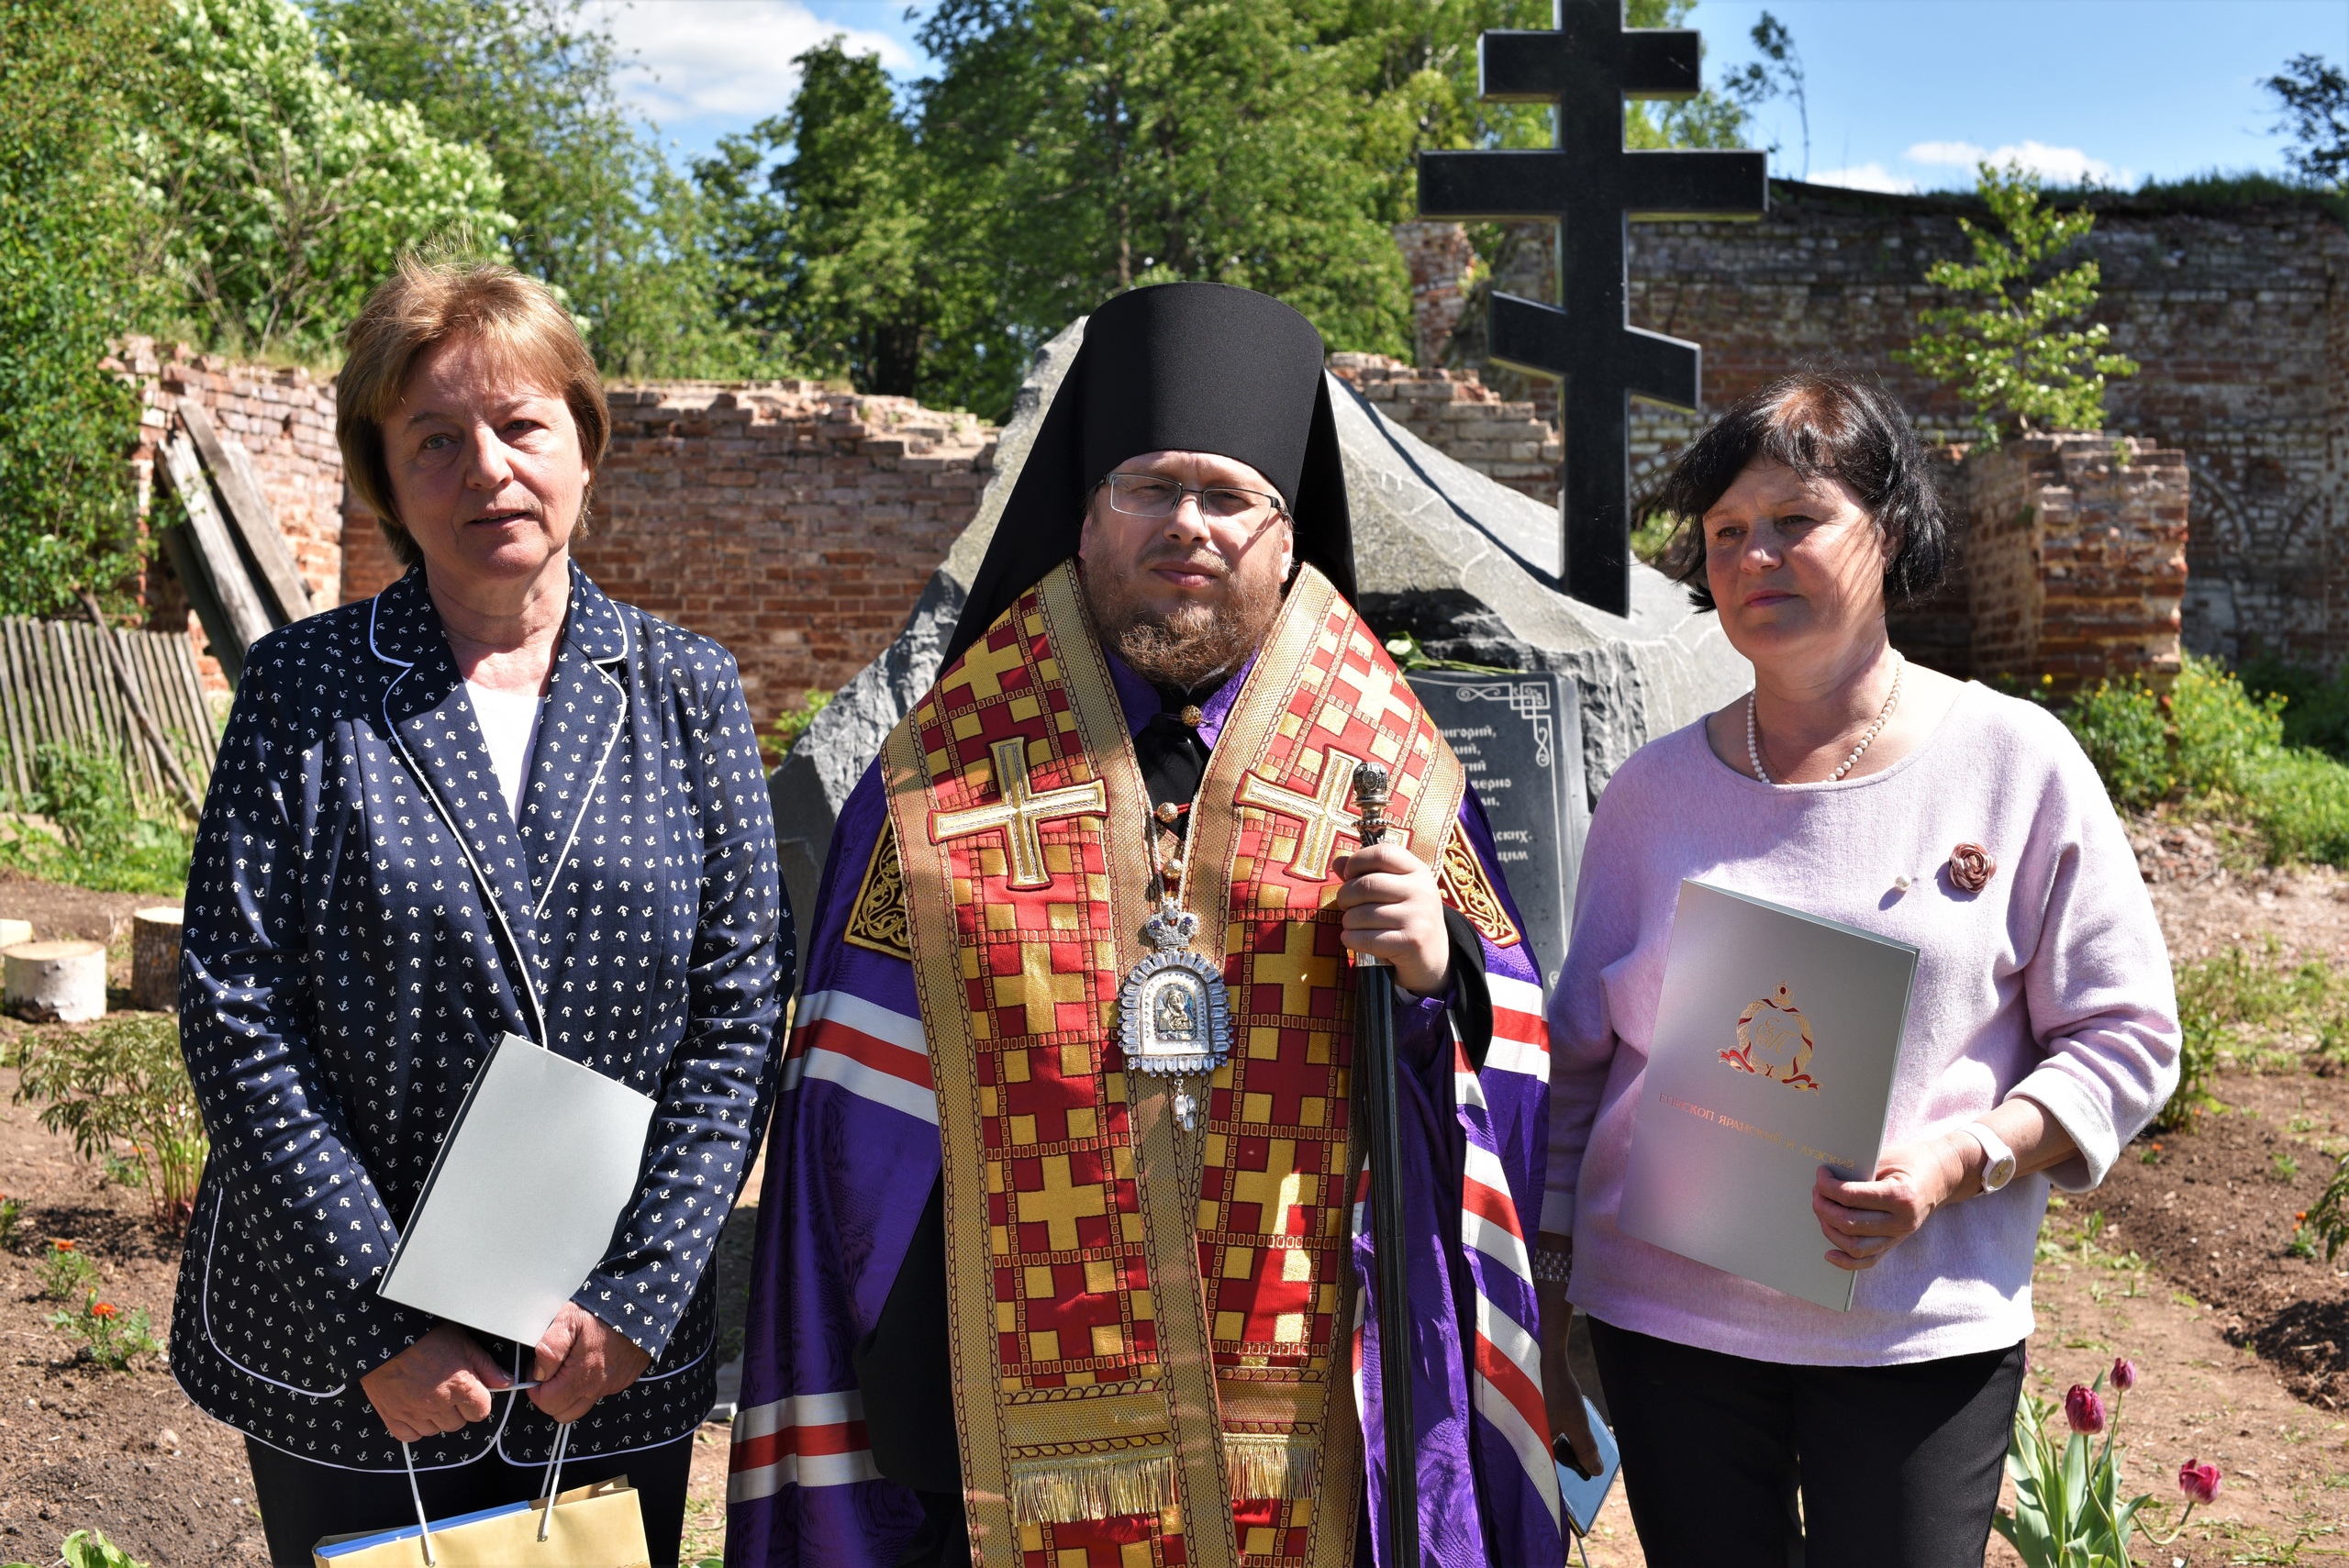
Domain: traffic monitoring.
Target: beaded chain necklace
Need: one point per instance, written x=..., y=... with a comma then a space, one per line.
x=1753, y=738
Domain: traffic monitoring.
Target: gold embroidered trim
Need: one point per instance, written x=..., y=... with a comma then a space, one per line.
x=1465, y=887
x=878, y=923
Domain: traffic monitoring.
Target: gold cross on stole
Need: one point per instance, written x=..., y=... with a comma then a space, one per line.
x=1324, y=816
x=1019, y=812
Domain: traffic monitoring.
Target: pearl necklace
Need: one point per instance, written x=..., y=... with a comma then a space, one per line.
x=1754, y=739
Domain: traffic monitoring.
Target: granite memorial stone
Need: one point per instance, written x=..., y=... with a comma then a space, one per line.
x=1519, y=738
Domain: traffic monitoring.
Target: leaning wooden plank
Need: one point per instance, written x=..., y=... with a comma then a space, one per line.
x=223, y=568
x=69, y=700
x=169, y=664
x=164, y=755
x=16, y=716
x=16, y=713
x=179, y=548
x=248, y=509
x=107, y=737
x=202, y=740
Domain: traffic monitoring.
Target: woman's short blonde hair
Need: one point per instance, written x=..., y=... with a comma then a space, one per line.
x=516, y=320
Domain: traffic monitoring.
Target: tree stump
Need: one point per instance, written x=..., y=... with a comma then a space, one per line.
x=155, y=958
x=62, y=982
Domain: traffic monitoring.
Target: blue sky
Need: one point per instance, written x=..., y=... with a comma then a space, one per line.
x=1903, y=93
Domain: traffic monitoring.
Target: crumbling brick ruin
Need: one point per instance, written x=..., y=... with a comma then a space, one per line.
x=2239, y=315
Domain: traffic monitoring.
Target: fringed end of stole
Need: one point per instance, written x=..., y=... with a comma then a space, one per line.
x=1270, y=1464
x=1068, y=1490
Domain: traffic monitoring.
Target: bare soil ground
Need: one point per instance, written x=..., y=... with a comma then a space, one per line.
x=2180, y=1263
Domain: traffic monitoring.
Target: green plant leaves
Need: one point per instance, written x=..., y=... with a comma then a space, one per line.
x=2011, y=356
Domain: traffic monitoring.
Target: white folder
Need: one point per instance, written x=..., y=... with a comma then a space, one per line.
x=524, y=1198
x=1724, y=1152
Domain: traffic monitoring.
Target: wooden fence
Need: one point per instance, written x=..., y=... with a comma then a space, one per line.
x=57, y=687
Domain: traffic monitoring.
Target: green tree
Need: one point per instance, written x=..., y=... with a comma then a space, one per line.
x=2012, y=357
x=2314, y=96
x=70, y=235
x=832, y=260
x=285, y=196
x=598, y=211
x=1094, y=148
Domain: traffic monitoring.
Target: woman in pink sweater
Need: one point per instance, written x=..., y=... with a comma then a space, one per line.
x=2042, y=1034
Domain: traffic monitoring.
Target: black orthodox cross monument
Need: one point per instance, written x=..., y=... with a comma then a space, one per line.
x=1591, y=186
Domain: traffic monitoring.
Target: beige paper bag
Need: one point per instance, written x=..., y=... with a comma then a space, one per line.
x=594, y=1526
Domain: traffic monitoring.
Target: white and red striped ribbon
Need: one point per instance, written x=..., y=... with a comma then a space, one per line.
x=810, y=1439
x=866, y=1048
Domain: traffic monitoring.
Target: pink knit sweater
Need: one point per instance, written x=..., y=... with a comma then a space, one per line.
x=2054, y=982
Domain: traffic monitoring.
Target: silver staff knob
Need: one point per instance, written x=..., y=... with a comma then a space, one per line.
x=1370, y=799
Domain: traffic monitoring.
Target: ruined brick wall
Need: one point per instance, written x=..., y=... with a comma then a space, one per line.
x=2075, y=558
x=792, y=524
x=284, y=418
x=1457, y=414
x=2238, y=315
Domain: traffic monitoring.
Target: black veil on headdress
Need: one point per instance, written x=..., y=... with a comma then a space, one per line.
x=1175, y=367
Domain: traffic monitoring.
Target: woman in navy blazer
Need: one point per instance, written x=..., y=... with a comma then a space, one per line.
x=487, y=800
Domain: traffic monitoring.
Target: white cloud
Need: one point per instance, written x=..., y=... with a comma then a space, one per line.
x=1866, y=177
x=724, y=57
x=2057, y=165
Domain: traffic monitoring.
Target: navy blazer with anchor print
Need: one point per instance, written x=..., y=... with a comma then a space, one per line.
x=359, y=912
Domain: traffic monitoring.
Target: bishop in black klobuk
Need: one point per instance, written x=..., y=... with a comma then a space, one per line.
x=1062, y=1250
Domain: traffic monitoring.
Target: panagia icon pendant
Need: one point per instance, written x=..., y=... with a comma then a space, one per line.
x=1174, y=1020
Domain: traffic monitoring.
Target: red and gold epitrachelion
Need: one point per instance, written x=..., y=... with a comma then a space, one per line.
x=1149, y=1325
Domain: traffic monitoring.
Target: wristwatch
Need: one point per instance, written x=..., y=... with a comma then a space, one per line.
x=1997, y=1160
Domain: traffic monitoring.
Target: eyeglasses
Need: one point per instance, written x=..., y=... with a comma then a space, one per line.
x=1148, y=495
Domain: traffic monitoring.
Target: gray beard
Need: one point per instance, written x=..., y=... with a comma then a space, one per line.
x=1189, y=648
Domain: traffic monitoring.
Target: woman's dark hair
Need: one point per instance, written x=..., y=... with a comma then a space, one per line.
x=1819, y=424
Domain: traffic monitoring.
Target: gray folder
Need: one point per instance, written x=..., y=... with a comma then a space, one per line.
x=522, y=1202
x=1776, y=1041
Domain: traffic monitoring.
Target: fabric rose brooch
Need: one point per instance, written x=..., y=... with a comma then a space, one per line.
x=1971, y=868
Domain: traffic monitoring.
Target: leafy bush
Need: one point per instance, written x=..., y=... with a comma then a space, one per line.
x=107, y=845
x=2316, y=707
x=121, y=1082
x=2218, y=744
x=2224, y=735
x=69, y=238
x=2126, y=735
x=792, y=723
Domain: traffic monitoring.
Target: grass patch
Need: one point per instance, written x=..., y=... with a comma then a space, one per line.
x=2258, y=1011
x=100, y=841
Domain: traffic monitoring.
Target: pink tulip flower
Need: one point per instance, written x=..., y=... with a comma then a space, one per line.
x=2124, y=1374
x=2200, y=1482
x=2084, y=1407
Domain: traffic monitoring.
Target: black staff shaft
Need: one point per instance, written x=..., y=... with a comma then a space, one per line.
x=1374, y=1061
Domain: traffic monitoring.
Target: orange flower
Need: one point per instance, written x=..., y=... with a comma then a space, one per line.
x=2301, y=1218
x=105, y=1310
x=62, y=1246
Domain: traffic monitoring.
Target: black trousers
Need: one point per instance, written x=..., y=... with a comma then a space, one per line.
x=301, y=1501
x=1896, y=1466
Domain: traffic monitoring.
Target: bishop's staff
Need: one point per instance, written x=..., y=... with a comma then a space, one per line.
x=1376, y=1067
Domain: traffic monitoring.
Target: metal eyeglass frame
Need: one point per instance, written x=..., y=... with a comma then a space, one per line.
x=1110, y=481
